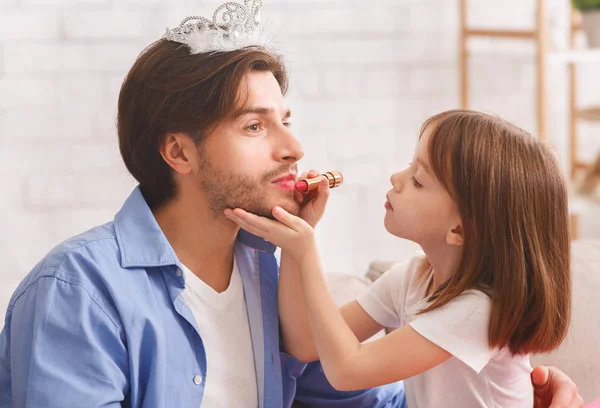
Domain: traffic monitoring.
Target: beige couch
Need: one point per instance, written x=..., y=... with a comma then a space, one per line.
x=578, y=356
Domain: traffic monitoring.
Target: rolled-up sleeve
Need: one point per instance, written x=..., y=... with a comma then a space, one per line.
x=59, y=348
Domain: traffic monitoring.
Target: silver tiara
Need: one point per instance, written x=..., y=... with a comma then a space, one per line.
x=232, y=27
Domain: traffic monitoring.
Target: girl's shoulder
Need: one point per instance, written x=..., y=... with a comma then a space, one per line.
x=406, y=280
x=414, y=268
x=476, y=299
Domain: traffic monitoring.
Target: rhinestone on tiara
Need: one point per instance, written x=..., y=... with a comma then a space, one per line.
x=233, y=25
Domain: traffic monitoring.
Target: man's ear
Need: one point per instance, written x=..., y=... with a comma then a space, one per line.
x=456, y=236
x=179, y=151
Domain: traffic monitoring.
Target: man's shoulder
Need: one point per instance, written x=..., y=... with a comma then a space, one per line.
x=98, y=245
x=80, y=260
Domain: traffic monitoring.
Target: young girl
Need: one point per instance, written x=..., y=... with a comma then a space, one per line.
x=487, y=203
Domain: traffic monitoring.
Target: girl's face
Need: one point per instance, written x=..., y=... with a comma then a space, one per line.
x=418, y=206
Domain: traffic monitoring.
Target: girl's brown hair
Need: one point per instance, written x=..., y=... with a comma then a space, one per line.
x=512, y=198
x=170, y=90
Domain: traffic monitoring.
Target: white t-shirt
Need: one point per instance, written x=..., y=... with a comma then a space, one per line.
x=476, y=375
x=222, y=321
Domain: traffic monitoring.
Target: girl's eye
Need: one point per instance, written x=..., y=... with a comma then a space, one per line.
x=287, y=124
x=416, y=183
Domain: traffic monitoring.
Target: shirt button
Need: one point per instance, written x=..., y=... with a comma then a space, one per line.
x=198, y=380
x=179, y=272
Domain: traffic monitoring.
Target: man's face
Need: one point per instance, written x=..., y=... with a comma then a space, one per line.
x=249, y=161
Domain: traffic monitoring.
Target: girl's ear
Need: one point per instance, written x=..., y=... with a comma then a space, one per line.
x=456, y=236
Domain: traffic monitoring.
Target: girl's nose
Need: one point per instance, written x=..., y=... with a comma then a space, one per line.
x=396, y=180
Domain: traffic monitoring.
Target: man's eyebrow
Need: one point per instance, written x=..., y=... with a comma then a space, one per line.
x=260, y=111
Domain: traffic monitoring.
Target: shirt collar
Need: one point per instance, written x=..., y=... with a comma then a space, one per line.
x=140, y=239
x=142, y=242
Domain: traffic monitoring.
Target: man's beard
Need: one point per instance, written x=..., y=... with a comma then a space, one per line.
x=229, y=190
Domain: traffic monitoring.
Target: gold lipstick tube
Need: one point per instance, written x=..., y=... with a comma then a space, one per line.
x=335, y=178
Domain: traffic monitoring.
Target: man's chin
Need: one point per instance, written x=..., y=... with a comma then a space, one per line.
x=283, y=199
x=290, y=206
x=265, y=209
x=287, y=203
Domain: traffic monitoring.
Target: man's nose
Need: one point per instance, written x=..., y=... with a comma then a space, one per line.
x=290, y=150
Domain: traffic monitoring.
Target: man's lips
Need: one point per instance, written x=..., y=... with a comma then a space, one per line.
x=287, y=177
x=287, y=182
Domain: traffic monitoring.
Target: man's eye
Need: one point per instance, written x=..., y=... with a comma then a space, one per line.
x=287, y=124
x=254, y=128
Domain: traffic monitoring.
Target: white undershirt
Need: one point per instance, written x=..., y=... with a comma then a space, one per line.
x=476, y=375
x=222, y=321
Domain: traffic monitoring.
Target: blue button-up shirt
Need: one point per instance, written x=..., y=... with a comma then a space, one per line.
x=99, y=323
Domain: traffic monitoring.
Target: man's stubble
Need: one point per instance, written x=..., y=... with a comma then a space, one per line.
x=225, y=189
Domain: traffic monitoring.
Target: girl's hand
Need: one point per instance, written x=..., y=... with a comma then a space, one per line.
x=312, y=204
x=290, y=233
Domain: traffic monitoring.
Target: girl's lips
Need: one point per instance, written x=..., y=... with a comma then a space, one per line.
x=388, y=205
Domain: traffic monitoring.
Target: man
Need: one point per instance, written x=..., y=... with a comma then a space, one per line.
x=170, y=305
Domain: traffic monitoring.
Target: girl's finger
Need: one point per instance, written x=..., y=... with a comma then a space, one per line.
x=245, y=225
x=270, y=229
x=249, y=228
x=288, y=219
x=257, y=221
x=309, y=174
x=323, y=196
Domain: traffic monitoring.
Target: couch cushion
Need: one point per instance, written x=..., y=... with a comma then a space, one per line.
x=346, y=287
x=579, y=355
x=377, y=268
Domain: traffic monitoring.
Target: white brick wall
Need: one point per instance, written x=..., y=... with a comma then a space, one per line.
x=364, y=77
x=17, y=24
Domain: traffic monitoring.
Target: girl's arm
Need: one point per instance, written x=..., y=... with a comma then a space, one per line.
x=348, y=364
x=295, y=327
x=295, y=330
x=293, y=320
